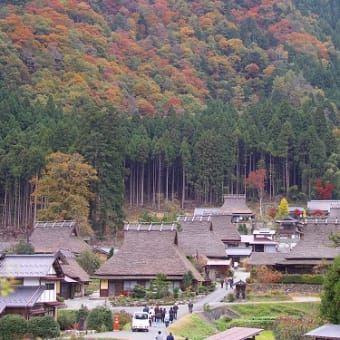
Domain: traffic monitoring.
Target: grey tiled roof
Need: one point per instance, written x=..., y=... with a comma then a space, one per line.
x=23, y=296
x=49, y=237
x=146, y=253
x=198, y=237
x=327, y=331
x=26, y=265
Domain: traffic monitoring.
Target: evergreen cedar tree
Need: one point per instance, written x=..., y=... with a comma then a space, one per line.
x=131, y=87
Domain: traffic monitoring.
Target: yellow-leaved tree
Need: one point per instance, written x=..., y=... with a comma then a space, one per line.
x=63, y=190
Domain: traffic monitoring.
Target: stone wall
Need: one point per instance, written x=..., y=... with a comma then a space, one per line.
x=288, y=288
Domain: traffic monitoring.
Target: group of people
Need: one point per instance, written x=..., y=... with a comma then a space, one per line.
x=228, y=283
x=161, y=315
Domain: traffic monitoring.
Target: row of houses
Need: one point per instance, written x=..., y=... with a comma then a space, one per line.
x=210, y=239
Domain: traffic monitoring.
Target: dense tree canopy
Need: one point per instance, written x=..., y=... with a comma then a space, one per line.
x=169, y=101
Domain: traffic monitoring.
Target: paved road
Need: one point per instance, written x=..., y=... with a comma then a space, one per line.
x=213, y=299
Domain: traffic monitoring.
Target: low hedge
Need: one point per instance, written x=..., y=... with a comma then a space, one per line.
x=314, y=279
x=67, y=319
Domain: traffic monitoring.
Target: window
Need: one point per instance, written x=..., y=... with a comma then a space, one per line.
x=49, y=286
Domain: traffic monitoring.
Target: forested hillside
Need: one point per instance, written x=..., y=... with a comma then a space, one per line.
x=169, y=99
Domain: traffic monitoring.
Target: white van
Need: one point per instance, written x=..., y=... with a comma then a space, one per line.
x=140, y=321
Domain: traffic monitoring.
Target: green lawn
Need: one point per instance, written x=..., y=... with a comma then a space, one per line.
x=265, y=335
x=192, y=326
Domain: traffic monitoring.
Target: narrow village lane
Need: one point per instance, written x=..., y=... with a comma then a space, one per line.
x=213, y=299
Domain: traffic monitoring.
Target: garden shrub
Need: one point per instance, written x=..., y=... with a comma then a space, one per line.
x=43, y=327
x=100, y=319
x=138, y=292
x=316, y=279
x=66, y=319
x=292, y=329
x=12, y=327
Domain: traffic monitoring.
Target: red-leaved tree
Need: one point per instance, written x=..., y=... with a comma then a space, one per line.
x=324, y=192
x=256, y=179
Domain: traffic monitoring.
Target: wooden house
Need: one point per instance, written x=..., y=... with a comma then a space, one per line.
x=50, y=237
x=196, y=237
x=147, y=250
x=37, y=278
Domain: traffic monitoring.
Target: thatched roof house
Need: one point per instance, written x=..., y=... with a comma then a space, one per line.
x=197, y=237
x=313, y=248
x=49, y=237
x=147, y=250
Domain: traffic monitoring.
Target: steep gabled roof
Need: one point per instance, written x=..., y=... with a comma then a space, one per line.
x=71, y=267
x=22, y=297
x=49, y=237
x=315, y=243
x=225, y=229
x=196, y=236
x=147, y=253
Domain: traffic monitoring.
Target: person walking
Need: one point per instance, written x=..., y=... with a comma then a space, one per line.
x=170, y=337
x=175, y=309
x=190, y=306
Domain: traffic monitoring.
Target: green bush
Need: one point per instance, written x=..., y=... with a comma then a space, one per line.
x=100, y=319
x=43, y=327
x=66, y=318
x=316, y=279
x=138, y=292
x=12, y=327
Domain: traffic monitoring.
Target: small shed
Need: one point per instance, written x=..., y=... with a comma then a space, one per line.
x=328, y=332
x=237, y=333
x=240, y=289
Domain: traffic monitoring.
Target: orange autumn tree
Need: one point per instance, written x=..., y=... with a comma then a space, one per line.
x=256, y=179
x=63, y=190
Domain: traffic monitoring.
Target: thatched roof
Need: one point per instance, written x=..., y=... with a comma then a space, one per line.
x=49, y=237
x=197, y=237
x=147, y=253
x=71, y=267
x=315, y=243
x=225, y=229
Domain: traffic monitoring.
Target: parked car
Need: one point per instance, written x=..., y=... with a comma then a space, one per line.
x=140, y=321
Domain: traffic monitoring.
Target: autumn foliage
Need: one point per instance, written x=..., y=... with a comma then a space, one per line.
x=324, y=191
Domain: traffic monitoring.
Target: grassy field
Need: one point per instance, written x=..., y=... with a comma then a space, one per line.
x=197, y=328
x=192, y=326
x=300, y=309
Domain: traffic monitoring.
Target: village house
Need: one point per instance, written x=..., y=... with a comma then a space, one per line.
x=262, y=240
x=37, y=281
x=75, y=277
x=312, y=250
x=196, y=237
x=147, y=250
x=50, y=237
